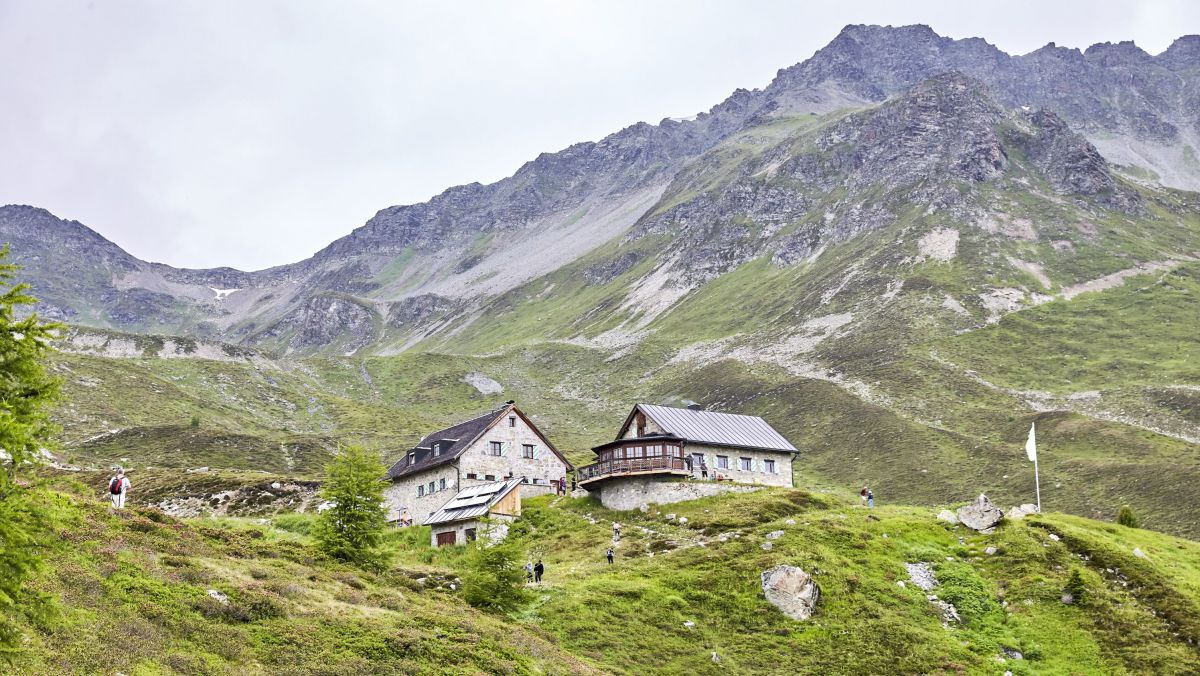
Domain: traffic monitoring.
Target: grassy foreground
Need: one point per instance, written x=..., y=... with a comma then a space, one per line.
x=134, y=590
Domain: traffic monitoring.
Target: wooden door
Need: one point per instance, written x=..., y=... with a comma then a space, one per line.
x=446, y=538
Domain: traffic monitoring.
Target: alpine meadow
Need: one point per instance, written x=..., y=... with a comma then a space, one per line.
x=757, y=391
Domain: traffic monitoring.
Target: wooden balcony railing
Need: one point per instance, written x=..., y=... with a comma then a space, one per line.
x=619, y=466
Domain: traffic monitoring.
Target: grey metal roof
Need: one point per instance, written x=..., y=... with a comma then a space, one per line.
x=473, y=502
x=721, y=429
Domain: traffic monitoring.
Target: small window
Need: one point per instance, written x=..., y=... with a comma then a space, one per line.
x=441, y=484
x=722, y=462
x=421, y=491
x=472, y=475
x=437, y=448
x=490, y=477
x=527, y=451
x=746, y=464
x=512, y=421
x=412, y=457
x=769, y=466
x=470, y=535
x=495, y=448
x=431, y=486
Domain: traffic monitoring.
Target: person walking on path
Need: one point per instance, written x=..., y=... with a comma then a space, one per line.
x=610, y=556
x=118, y=486
x=870, y=499
x=616, y=531
x=529, y=572
x=862, y=496
x=538, y=570
x=572, y=484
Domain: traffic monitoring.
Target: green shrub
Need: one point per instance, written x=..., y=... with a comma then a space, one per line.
x=1126, y=517
x=195, y=421
x=1076, y=586
x=494, y=579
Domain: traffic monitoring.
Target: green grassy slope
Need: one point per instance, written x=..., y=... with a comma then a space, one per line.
x=140, y=580
x=133, y=592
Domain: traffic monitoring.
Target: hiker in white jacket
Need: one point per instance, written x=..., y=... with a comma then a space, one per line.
x=118, y=486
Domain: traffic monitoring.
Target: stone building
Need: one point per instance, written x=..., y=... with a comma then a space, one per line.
x=500, y=445
x=478, y=511
x=663, y=454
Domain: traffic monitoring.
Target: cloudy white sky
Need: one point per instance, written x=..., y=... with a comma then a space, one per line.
x=251, y=133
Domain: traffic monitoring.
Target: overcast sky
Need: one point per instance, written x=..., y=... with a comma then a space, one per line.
x=252, y=133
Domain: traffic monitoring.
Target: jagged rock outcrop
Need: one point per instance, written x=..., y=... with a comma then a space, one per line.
x=791, y=590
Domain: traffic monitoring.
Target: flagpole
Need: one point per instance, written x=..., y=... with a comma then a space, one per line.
x=1037, y=483
x=1031, y=451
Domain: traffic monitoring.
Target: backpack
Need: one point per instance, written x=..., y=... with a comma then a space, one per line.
x=114, y=486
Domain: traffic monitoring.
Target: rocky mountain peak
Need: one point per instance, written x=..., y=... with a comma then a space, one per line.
x=1183, y=53
x=1125, y=53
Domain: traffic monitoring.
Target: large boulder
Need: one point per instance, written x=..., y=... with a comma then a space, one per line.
x=980, y=515
x=791, y=590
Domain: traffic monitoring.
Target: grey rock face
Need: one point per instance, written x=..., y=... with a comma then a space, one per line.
x=791, y=590
x=980, y=515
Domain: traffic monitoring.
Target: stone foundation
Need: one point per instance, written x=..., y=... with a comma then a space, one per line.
x=635, y=492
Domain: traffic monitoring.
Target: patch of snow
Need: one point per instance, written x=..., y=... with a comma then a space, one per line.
x=222, y=294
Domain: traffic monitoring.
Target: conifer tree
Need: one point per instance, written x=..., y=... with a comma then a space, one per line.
x=494, y=579
x=26, y=390
x=352, y=528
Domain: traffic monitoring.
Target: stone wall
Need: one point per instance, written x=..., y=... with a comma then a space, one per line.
x=635, y=492
x=493, y=530
x=782, y=476
x=401, y=496
x=543, y=468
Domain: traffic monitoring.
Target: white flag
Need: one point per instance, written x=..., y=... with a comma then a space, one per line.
x=1031, y=446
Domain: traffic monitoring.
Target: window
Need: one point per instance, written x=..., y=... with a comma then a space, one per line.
x=512, y=421
x=722, y=462
x=421, y=491
x=641, y=424
x=472, y=475
x=527, y=451
x=470, y=535
x=769, y=466
x=441, y=484
x=746, y=464
x=412, y=457
x=490, y=477
x=431, y=487
x=495, y=448
x=437, y=448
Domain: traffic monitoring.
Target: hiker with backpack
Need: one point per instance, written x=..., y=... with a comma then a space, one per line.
x=610, y=556
x=118, y=486
x=537, y=571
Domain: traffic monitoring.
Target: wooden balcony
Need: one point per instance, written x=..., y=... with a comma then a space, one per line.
x=635, y=456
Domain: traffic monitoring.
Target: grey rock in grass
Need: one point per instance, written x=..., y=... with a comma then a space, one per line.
x=980, y=515
x=1021, y=511
x=921, y=574
x=791, y=590
x=947, y=516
